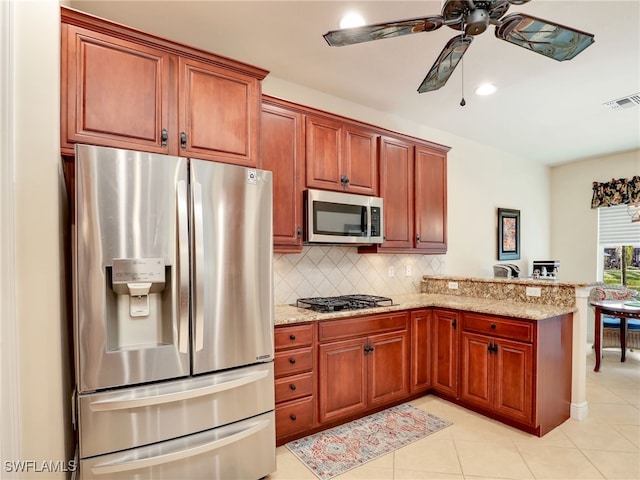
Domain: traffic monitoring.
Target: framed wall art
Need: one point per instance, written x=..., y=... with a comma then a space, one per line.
x=508, y=234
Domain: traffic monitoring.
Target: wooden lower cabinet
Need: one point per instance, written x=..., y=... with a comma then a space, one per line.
x=295, y=380
x=497, y=375
x=421, y=346
x=514, y=370
x=363, y=363
x=517, y=371
x=445, y=352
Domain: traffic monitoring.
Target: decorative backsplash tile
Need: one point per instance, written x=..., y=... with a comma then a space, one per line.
x=322, y=271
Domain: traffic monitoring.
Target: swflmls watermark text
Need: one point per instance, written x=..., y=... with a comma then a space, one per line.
x=40, y=466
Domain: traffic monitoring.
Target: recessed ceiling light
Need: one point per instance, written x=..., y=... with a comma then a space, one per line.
x=352, y=19
x=486, y=89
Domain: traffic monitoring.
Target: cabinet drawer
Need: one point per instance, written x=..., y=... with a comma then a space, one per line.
x=293, y=337
x=498, y=327
x=292, y=387
x=293, y=361
x=362, y=326
x=293, y=417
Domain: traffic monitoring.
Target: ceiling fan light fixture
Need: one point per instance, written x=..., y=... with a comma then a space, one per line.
x=486, y=89
x=351, y=20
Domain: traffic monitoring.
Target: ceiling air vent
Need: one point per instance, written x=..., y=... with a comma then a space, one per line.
x=624, y=102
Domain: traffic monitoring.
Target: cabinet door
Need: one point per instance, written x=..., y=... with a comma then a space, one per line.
x=282, y=152
x=445, y=352
x=396, y=180
x=476, y=383
x=118, y=93
x=420, y=350
x=388, y=369
x=430, y=200
x=514, y=380
x=219, y=113
x=324, y=153
x=360, y=161
x=342, y=379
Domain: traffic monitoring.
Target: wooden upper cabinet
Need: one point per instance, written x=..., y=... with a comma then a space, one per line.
x=430, y=193
x=396, y=174
x=116, y=93
x=340, y=156
x=282, y=152
x=219, y=113
x=323, y=153
x=360, y=160
x=127, y=89
x=413, y=184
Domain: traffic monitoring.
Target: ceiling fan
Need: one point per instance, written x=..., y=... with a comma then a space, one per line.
x=472, y=17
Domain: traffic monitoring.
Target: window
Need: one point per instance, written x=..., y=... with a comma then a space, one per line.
x=618, y=246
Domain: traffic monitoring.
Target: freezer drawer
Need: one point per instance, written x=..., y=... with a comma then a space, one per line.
x=133, y=417
x=242, y=450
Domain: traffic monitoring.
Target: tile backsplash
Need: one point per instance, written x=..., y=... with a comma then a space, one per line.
x=322, y=271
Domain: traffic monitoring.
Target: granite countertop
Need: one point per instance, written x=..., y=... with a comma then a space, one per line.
x=289, y=314
x=522, y=280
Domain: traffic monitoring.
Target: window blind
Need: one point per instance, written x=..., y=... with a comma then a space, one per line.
x=615, y=227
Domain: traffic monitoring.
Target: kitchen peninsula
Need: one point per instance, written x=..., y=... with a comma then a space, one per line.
x=512, y=349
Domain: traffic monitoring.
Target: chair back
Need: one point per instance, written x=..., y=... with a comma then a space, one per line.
x=611, y=292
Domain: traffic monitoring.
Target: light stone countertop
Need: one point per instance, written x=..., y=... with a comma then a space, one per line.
x=289, y=314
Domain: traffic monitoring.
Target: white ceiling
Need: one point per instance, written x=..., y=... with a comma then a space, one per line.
x=544, y=110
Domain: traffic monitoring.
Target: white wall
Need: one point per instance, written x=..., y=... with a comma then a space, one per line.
x=573, y=221
x=480, y=179
x=39, y=305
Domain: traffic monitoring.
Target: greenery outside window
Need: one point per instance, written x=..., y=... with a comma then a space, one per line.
x=619, y=247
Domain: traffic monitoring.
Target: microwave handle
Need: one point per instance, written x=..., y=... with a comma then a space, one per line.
x=366, y=228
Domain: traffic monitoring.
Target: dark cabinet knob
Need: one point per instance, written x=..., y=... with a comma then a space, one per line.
x=293, y=416
x=292, y=360
x=299, y=232
x=493, y=326
x=164, y=137
x=417, y=238
x=183, y=140
x=292, y=386
x=344, y=181
x=292, y=337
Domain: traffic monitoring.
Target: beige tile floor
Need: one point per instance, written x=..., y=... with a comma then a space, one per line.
x=605, y=445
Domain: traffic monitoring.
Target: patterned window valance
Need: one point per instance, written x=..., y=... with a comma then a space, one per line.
x=616, y=192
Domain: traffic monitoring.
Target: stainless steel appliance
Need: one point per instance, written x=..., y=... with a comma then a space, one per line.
x=506, y=270
x=546, y=269
x=336, y=217
x=343, y=302
x=173, y=317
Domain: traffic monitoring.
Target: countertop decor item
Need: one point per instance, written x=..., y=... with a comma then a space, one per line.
x=342, y=448
x=508, y=234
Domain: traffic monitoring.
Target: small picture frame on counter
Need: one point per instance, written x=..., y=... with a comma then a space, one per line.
x=508, y=234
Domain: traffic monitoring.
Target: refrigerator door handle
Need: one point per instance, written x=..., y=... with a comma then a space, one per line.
x=117, y=467
x=183, y=267
x=121, y=404
x=198, y=249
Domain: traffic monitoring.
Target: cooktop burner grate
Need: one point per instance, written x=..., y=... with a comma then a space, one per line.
x=343, y=302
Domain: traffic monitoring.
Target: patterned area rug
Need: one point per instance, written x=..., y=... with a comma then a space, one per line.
x=353, y=444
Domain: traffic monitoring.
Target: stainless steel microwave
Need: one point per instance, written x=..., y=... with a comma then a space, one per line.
x=336, y=217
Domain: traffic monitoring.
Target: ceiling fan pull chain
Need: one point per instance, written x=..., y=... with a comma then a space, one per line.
x=462, y=101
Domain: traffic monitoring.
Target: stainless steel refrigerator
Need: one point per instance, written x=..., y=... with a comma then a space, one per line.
x=173, y=317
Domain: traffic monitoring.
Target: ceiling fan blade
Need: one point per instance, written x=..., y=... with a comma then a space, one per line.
x=366, y=33
x=542, y=36
x=445, y=64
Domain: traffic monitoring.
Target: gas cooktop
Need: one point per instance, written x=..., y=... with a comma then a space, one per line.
x=343, y=302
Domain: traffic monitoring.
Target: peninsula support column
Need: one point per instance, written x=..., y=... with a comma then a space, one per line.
x=579, y=406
